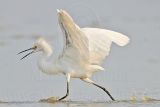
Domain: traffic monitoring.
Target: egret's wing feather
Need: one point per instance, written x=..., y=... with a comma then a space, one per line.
x=75, y=41
x=100, y=41
x=87, y=44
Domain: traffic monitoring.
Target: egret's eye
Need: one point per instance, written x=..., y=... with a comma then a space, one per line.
x=34, y=47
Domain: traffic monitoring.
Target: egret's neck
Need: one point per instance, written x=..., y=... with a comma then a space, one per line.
x=47, y=64
x=47, y=50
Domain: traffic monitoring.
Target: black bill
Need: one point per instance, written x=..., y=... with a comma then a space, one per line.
x=33, y=48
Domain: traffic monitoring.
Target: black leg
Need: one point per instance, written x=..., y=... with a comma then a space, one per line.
x=66, y=93
x=104, y=90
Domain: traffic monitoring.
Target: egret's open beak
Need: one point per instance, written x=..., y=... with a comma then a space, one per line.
x=33, y=48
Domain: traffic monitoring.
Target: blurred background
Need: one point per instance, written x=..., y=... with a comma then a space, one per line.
x=131, y=70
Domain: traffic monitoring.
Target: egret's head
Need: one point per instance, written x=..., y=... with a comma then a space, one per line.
x=39, y=46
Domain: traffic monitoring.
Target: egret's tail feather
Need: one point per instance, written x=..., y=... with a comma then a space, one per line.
x=119, y=38
x=96, y=68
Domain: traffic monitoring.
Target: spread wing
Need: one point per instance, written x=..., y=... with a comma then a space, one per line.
x=87, y=45
x=100, y=41
x=75, y=42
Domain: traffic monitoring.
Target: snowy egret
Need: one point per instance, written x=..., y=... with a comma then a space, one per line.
x=83, y=51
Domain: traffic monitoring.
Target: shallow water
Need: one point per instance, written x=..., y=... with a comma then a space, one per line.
x=130, y=71
x=83, y=104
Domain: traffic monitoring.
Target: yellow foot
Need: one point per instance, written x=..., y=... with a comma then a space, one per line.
x=50, y=100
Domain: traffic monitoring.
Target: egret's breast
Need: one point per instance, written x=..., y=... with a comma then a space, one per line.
x=48, y=67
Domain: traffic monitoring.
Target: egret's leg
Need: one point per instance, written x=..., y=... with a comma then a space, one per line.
x=54, y=99
x=68, y=80
x=91, y=82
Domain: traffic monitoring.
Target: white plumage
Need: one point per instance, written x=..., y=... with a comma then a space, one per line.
x=91, y=45
x=100, y=41
x=83, y=51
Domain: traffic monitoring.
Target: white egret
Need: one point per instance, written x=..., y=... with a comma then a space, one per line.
x=83, y=51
